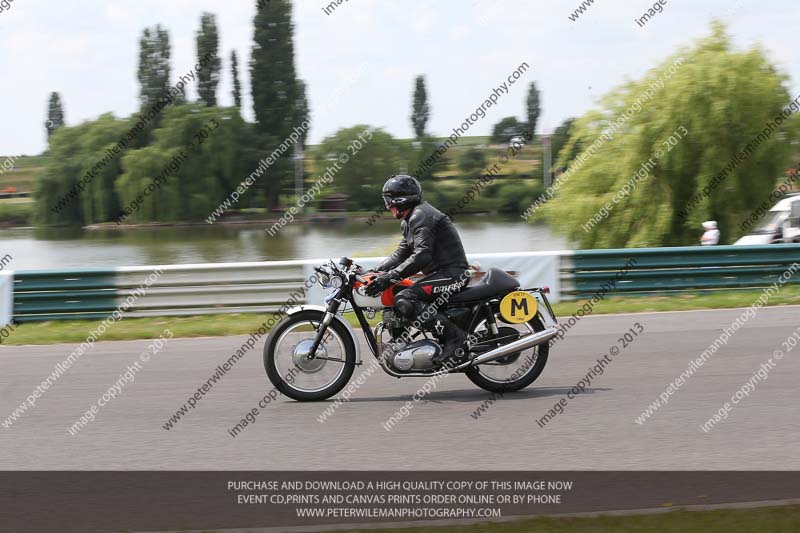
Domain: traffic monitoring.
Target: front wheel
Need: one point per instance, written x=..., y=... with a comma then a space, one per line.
x=516, y=371
x=303, y=379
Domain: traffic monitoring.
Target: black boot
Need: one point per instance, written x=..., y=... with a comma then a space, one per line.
x=454, y=338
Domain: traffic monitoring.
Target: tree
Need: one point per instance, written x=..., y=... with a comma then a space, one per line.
x=420, y=110
x=55, y=114
x=89, y=180
x=274, y=88
x=362, y=177
x=533, y=108
x=237, y=87
x=208, y=47
x=472, y=161
x=428, y=158
x=507, y=128
x=198, y=175
x=73, y=153
x=154, y=66
x=705, y=120
x=559, y=140
x=301, y=112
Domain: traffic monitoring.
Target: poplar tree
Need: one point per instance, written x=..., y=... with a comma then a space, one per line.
x=533, y=108
x=154, y=65
x=207, y=52
x=420, y=110
x=237, y=86
x=274, y=87
x=55, y=114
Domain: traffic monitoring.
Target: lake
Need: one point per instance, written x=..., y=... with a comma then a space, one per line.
x=54, y=249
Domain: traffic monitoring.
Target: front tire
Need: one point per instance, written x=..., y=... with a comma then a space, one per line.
x=527, y=368
x=309, y=380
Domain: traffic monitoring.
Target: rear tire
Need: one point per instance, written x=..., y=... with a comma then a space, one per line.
x=287, y=387
x=518, y=383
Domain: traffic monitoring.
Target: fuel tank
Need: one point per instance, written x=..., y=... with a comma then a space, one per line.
x=385, y=299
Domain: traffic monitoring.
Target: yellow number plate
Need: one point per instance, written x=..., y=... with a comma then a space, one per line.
x=518, y=307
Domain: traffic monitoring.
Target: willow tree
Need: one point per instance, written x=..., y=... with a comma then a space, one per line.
x=77, y=186
x=718, y=100
x=196, y=152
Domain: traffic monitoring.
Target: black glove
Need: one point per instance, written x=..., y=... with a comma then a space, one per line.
x=378, y=284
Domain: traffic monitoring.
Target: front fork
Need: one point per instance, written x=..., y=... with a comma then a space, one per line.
x=333, y=308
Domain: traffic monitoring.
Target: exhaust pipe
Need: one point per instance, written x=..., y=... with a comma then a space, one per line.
x=518, y=345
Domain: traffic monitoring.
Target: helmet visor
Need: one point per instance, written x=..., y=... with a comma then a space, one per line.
x=389, y=200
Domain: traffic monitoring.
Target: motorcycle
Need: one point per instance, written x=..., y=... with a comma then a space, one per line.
x=311, y=353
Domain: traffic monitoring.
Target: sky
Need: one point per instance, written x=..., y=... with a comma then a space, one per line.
x=360, y=61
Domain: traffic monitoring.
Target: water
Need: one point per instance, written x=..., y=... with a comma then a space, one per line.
x=56, y=249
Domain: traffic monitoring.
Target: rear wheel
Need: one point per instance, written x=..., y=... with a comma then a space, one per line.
x=305, y=379
x=512, y=372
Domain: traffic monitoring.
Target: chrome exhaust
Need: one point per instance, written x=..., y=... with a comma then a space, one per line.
x=518, y=345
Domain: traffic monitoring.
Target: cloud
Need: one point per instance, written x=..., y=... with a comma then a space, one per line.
x=89, y=52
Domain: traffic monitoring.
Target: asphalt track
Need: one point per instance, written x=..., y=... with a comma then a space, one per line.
x=595, y=431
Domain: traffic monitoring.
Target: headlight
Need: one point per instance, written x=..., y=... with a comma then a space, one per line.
x=335, y=282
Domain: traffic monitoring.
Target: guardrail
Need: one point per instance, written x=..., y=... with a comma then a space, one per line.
x=178, y=290
x=677, y=270
x=262, y=287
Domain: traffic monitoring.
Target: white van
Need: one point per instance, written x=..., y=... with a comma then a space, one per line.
x=780, y=224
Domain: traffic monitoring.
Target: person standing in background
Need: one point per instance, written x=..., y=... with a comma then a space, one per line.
x=711, y=235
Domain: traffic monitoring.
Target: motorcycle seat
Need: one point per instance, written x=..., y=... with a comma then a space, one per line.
x=494, y=283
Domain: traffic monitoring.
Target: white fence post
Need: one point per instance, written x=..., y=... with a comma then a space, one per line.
x=6, y=298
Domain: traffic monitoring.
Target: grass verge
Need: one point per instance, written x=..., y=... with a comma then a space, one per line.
x=783, y=519
x=54, y=332
x=788, y=295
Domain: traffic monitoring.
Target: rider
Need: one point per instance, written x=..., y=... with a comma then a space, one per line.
x=430, y=244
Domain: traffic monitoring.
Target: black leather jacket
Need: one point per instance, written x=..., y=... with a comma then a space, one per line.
x=430, y=243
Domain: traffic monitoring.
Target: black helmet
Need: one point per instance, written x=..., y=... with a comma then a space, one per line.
x=401, y=191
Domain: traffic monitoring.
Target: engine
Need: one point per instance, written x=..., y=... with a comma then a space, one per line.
x=393, y=322
x=415, y=356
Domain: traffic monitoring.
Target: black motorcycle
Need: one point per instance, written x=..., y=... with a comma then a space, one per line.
x=311, y=354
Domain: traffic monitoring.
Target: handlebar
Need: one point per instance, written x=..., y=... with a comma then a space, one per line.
x=347, y=264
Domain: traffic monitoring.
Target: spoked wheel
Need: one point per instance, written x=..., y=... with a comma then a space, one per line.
x=293, y=373
x=515, y=371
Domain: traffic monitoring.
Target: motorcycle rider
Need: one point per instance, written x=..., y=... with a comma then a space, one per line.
x=430, y=244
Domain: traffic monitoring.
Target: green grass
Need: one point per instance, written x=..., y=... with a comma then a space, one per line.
x=58, y=331
x=27, y=171
x=75, y=331
x=788, y=295
x=16, y=211
x=785, y=519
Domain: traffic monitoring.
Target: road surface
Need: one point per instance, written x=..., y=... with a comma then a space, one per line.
x=597, y=429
